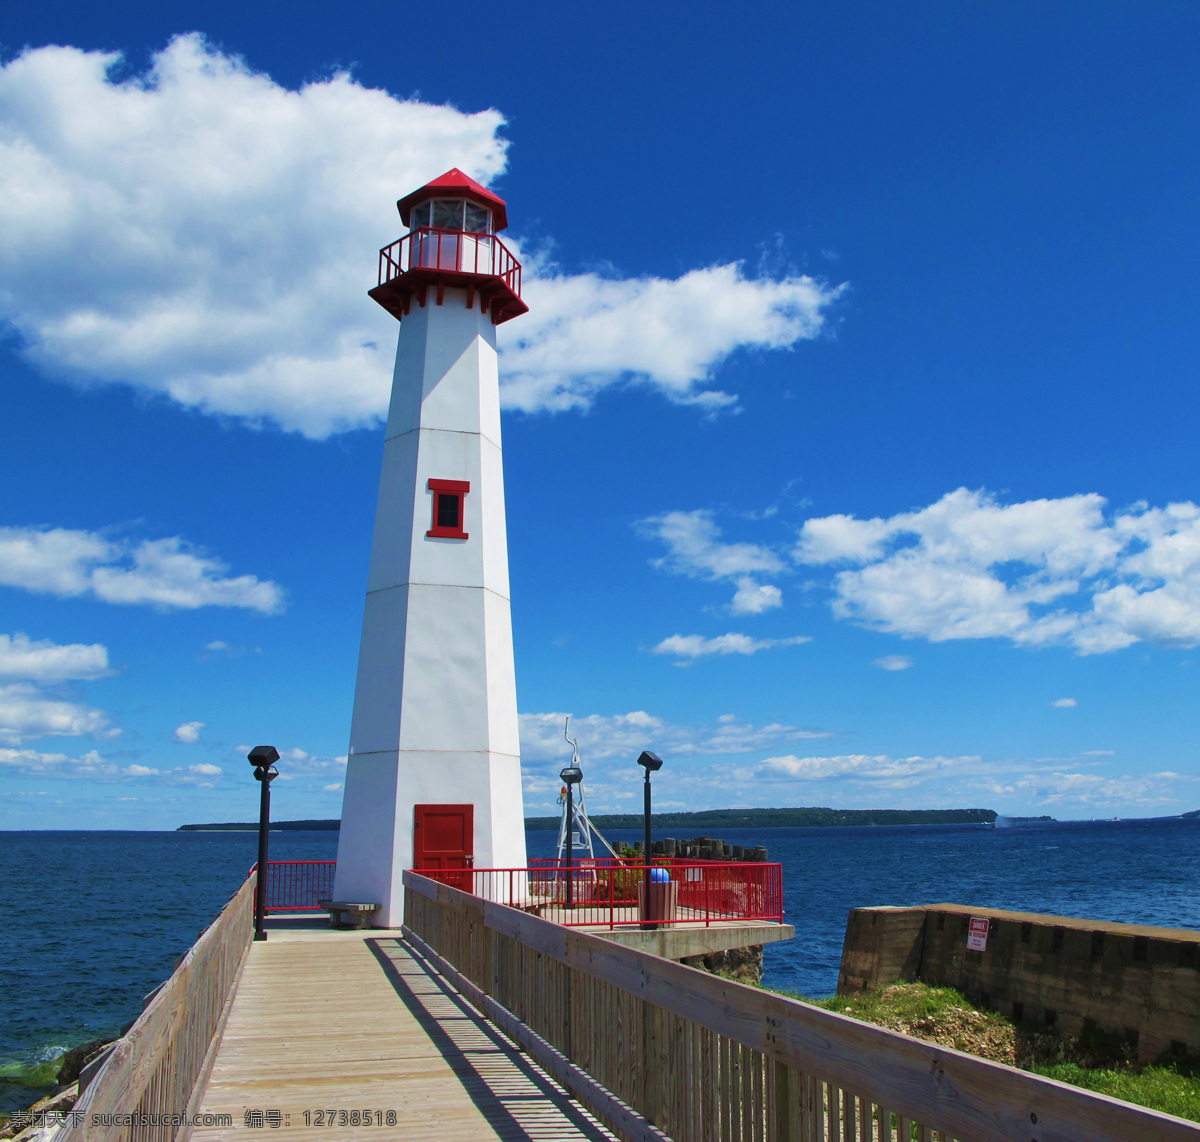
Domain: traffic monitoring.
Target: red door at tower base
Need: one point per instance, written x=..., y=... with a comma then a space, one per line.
x=444, y=838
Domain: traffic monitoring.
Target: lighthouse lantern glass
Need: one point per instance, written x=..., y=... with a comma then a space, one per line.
x=452, y=214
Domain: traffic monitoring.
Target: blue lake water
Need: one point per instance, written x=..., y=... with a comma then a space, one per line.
x=94, y=920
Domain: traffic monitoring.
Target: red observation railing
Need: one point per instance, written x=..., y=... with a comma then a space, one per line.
x=298, y=885
x=459, y=251
x=609, y=893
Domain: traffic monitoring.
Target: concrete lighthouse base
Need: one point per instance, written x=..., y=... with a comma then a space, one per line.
x=435, y=708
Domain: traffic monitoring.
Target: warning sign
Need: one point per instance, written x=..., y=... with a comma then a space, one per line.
x=977, y=934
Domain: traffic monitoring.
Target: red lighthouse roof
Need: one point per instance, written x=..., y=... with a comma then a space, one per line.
x=455, y=184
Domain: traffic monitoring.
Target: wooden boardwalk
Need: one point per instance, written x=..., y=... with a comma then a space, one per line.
x=352, y=1021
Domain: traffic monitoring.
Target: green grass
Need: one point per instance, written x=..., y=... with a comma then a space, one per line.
x=1098, y=1063
x=910, y=1003
x=1170, y=1088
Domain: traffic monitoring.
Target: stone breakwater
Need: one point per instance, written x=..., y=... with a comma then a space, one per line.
x=75, y=1068
x=708, y=848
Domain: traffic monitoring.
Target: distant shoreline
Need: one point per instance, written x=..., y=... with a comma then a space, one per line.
x=710, y=818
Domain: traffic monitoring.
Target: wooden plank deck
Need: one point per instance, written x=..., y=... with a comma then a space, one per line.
x=351, y=1021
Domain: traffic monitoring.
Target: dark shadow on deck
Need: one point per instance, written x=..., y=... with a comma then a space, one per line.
x=510, y=1092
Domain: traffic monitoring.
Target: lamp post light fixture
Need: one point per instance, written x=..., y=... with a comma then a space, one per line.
x=571, y=776
x=263, y=758
x=650, y=762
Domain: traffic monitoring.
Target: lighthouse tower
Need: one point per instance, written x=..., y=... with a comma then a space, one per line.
x=434, y=772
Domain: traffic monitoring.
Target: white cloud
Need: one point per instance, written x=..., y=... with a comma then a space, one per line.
x=188, y=733
x=694, y=646
x=706, y=766
x=162, y=573
x=695, y=549
x=92, y=765
x=1037, y=573
x=879, y=769
x=585, y=332
x=1064, y=703
x=603, y=736
x=332, y=787
x=296, y=762
x=46, y=661
x=235, y=222
x=893, y=662
x=34, y=763
x=753, y=598
x=25, y=712
x=1091, y=791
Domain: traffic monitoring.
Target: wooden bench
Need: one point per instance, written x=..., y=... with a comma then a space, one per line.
x=347, y=914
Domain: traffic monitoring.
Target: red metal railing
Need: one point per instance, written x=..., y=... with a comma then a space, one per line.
x=298, y=885
x=460, y=251
x=608, y=893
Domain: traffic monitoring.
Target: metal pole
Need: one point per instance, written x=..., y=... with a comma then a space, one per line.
x=570, y=847
x=264, y=819
x=646, y=847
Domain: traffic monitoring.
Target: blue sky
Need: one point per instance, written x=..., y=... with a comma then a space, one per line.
x=850, y=443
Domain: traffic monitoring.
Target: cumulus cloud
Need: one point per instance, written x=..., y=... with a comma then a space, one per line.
x=202, y=232
x=46, y=661
x=603, y=736
x=709, y=766
x=689, y=647
x=753, y=598
x=296, y=762
x=585, y=332
x=1050, y=571
x=1092, y=791
x=188, y=733
x=1064, y=703
x=879, y=769
x=26, y=712
x=893, y=662
x=93, y=765
x=695, y=549
x=35, y=763
x=234, y=221
x=164, y=573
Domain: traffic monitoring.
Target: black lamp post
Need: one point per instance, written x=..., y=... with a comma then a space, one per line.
x=571, y=776
x=263, y=758
x=651, y=762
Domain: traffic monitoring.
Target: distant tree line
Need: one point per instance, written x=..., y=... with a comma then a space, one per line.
x=781, y=818
x=252, y=826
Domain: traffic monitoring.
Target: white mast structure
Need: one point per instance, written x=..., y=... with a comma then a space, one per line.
x=581, y=825
x=433, y=778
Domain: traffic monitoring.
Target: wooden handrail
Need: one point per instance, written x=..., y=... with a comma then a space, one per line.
x=709, y=1060
x=157, y=1067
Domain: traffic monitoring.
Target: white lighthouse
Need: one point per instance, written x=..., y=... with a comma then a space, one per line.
x=434, y=772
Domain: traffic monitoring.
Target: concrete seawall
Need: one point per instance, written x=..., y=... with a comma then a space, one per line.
x=1140, y=983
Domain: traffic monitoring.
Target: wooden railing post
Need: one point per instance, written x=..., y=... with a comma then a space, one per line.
x=703, y=1059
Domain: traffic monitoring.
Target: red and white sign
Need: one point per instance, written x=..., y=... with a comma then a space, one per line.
x=977, y=934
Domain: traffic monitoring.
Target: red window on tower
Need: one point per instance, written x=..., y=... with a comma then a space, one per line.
x=448, y=496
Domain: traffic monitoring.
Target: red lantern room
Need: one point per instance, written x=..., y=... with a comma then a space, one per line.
x=451, y=243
